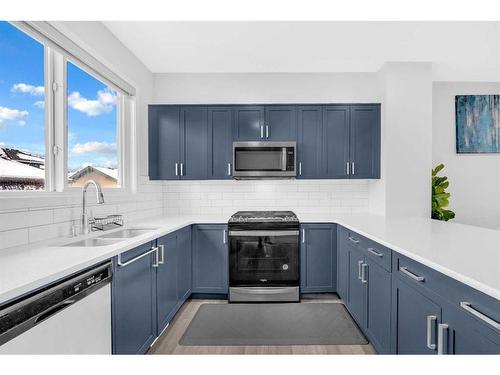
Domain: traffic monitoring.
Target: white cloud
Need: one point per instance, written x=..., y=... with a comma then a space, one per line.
x=95, y=148
x=28, y=89
x=104, y=103
x=8, y=114
x=40, y=104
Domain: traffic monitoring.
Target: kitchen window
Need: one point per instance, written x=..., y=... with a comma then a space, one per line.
x=92, y=130
x=62, y=113
x=22, y=111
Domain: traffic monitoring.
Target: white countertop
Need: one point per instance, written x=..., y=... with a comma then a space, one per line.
x=466, y=253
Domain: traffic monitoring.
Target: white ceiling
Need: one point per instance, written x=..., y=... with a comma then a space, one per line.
x=460, y=51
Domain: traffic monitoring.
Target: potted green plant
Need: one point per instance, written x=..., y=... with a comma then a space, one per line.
x=440, y=198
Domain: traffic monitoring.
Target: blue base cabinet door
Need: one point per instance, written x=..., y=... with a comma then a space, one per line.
x=318, y=258
x=220, y=143
x=342, y=262
x=415, y=320
x=183, y=264
x=210, y=259
x=134, y=301
x=166, y=280
x=378, y=305
x=357, y=291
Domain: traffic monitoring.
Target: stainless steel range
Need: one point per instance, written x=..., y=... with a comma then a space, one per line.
x=264, y=256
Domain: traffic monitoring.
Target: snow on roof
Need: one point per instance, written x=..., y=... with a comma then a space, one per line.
x=14, y=169
x=22, y=155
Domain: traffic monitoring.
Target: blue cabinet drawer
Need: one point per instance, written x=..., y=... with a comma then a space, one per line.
x=373, y=250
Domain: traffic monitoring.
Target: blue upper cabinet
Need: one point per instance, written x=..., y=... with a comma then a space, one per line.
x=249, y=123
x=336, y=141
x=309, y=141
x=133, y=301
x=365, y=141
x=210, y=259
x=220, y=143
x=318, y=258
x=194, y=143
x=280, y=123
x=164, y=142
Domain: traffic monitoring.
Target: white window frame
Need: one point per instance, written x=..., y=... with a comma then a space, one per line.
x=56, y=129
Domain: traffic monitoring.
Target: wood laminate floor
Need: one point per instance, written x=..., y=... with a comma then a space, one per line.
x=168, y=342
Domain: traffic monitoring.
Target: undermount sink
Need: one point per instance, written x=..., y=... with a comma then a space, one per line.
x=127, y=233
x=90, y=242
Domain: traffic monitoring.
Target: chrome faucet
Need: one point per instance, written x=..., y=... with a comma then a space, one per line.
x=85, y=228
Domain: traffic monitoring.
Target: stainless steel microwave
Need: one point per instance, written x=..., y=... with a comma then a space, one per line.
x=264, y=159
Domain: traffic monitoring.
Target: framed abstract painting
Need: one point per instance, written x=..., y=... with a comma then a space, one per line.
x=477, y=119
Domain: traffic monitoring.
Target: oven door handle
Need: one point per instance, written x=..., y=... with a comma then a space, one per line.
x=263, y=233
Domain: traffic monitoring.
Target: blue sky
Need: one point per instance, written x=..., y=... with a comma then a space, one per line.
x=91, y=105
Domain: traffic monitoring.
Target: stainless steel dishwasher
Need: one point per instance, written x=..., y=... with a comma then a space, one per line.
x=72, y=316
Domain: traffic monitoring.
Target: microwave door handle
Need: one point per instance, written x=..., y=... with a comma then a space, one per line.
x=283, y=158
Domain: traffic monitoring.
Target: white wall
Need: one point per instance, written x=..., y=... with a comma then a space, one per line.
x=266, y=88
x=474, y=178
x=404, y=188
x=32, y=217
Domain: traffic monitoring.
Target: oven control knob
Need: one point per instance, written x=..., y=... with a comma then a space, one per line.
x=285, y=267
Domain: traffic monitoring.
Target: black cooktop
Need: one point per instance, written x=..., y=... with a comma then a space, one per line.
x=263, y=216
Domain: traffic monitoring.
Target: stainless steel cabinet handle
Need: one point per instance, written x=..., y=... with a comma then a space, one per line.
x=360, y=263
x=376, y=253
x=300, y=168
x=182, y=169
x=176, y=169
x=353, y=240
x=303, y=235
x=262, y=131
x=431, y=320
x=347, y=168
x=411, y=275
x=467, y=307
x=229, y=169
x=440, y=345
x=352, y=168
x=162, y=251
x=124, y=264
x=364, y=266
x=267, y=131
x=224, y=239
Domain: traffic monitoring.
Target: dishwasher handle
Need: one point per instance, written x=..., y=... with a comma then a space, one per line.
x=53, y=310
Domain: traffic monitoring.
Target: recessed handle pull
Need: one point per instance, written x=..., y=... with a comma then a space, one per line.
x=411, y=275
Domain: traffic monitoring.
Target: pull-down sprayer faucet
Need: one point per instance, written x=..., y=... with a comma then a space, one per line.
x=100, y=200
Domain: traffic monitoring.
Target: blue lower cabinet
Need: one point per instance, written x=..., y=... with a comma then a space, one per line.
x=134, y=301
x=166, y=280
x=318, y=258
x=183, y=264
x=210, y=259
x=378, y=305
x=415, y=319
x=357, y=291
x=464, y=333
x=342, y=262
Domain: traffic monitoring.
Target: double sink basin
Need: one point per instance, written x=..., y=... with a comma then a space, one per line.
x=110, y=238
